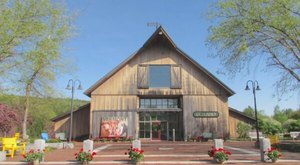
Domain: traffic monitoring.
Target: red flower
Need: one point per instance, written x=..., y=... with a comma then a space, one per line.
x=75, y=154
x=125, y=153
x=81, y=150
x=94, y=153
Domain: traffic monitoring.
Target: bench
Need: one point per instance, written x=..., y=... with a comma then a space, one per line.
x=206, y=136
x=295, y=135
x=11, y=145
x=253, y=135
x=61, y=136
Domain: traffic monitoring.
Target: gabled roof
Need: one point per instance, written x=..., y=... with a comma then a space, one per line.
x=64, y=115
x=159, y=32
x=232, y=110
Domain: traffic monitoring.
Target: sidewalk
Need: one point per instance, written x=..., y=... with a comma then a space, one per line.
x=161, y=153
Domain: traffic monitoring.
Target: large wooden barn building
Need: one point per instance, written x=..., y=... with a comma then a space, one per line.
x=157, y=89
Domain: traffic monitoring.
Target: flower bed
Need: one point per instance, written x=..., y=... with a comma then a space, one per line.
x=135, y=154
x=84, y=156
x=273, y=154
x=113, y=139
x=33, y=155
x=220, y=155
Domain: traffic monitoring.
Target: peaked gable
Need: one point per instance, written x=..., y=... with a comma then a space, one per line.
x=160, y=32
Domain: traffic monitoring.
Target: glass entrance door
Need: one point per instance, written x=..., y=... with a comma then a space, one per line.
x=156, y=131
x=159, y=125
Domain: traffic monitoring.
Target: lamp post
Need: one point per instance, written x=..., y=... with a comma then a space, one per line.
x=72, y=88
x=255, y=87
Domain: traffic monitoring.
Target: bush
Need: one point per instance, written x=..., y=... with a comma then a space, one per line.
x=53, y=141
x=270, y=126
x=286, y=125
x=292, y=125
x=243, y=129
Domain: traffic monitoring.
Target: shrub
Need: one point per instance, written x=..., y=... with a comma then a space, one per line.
x=243, y=129
x=270, y=126
x=292, y=125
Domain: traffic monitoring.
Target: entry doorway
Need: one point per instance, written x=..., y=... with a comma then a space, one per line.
x=159, y=130
x=159, y=125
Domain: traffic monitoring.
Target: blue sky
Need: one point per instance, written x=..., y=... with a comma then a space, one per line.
x=107, y=32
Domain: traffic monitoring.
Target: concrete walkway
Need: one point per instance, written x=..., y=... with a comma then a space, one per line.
x=161, y=153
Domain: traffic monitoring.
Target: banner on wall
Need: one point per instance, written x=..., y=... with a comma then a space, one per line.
x=114, y=127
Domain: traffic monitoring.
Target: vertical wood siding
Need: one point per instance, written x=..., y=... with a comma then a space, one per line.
x=199, y=91
x=234, y=119
x=196, y=126
x=130, y=115
x=81, y=126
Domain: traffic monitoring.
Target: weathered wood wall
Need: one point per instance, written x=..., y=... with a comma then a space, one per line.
x=125, y=81
x=81, y=122
x=130, y=115
x=234, y=119
x=199, y=91
x=196, y=126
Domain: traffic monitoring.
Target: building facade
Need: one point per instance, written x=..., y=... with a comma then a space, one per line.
x=157, y=90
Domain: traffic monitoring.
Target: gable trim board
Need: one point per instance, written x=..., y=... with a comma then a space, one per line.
x=159, y=31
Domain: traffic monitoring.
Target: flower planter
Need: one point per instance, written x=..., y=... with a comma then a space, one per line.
x=219, y=161
x=84, y=163
x=136, y=162
x=274, y=160
x=35, y=162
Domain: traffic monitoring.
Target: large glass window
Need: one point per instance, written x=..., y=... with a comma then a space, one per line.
x=159, y=76
x=161, y=103
x=160, y=125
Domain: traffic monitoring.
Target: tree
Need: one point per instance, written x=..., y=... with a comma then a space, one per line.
x=36, y=31
x=269, y=126
x=280, y=115
x=243, y=129
x=249, y=30
x=249, y=111
x=8, y=119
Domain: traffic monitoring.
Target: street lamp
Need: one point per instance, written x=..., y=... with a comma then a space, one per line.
x=255, y=87
x=72, y=88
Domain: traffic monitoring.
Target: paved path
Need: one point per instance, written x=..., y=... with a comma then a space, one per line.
x=161, y=153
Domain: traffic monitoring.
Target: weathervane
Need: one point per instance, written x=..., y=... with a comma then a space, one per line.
x=155, y=24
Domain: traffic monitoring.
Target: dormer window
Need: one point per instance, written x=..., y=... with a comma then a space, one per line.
x=159, y=76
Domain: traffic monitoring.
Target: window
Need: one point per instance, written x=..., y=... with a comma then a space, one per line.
x=160, y=76
x=160, y=103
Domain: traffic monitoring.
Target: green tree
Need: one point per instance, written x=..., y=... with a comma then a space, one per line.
x=280, y=115
x=249, y=30
x=294, y=126
x=41, y=111
x=249, y=111
x=243, y=129
x=295, y=115
x=269, y=126
x=33, y=35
